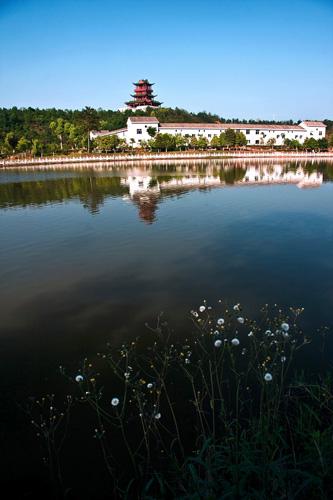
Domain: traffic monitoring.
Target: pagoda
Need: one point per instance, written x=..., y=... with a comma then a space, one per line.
x=143, y=96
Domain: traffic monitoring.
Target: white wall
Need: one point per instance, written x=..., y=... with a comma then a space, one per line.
x=138, y=132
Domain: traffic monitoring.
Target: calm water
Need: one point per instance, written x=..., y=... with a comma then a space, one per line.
x=88, y=255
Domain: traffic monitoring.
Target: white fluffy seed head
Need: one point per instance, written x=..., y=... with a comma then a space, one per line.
x=235, y=342
x=268, y=377
x=241, y=320
x=202, y=309
x=220, y=321
x=285, y=327
x=79, y=378
x=158, y=416
x=115, y=401
x=218, y=343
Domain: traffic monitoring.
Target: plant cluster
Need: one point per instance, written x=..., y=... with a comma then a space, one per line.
x=220, y=414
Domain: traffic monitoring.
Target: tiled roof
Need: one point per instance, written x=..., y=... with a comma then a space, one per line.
x=313, y=123
x=143, y=119
x=237, y=126
x=108, y=132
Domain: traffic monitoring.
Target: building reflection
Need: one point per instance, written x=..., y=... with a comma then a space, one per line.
x=146, y=184
x=146, y=190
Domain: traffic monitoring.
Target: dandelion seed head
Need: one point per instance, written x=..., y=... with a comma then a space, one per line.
x=115, y=401
x=202, y=309
x=241, y=320
x=220, y=321
x=236, y=307
x=79, y=378
x=150, y=385
x=283, y=359
x=218, y=343
x=158, y=416
x=268, y=377
x=235, y=342
x=285, y=327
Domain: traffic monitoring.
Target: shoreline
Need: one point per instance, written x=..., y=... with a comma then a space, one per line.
x=125, y=158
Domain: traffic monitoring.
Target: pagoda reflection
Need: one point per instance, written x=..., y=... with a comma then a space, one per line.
x=145, y=191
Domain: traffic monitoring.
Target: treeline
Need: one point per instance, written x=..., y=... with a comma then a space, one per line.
x=46, y=131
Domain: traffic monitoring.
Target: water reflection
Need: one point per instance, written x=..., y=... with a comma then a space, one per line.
x=146, y=184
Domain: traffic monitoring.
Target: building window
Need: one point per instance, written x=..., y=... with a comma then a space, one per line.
x=247, y=131
x=257, y=131
x=139, y=130
x=257, y=141
x=320, y=133
x=209, y=135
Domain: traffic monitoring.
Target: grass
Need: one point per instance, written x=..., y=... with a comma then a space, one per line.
x=221, y=414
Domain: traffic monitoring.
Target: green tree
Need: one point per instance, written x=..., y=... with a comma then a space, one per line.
x=310, y=143
x=89, y=121
x=107, y=143
x=193, y=142
x=202, y=143
x=58, y=128
x=164, y=142
x=230, y=136
x=10, y=142
x=181, y=141
x=23, y=145
x=240, y=139
x=36, y=148
x=322, y=143
x=151, y=131
x=223, y=140
x=215, y=142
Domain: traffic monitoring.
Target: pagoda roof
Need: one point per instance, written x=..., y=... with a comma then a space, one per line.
x=143, y=82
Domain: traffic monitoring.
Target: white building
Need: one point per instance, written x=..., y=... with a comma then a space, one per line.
x=256, y=134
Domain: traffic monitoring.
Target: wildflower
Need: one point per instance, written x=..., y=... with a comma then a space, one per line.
x=235, y=342
x=150, y=385
x=268, y=377
x=283, y=359
x=250, y=334
x=241, y=320
x=218, y=343
x=158, y=416
x=202, y=309
x=285, y=327
x=115, y=401
x=79, y=378
x=220, y=321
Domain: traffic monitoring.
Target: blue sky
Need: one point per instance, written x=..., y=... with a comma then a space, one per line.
x=247, y=58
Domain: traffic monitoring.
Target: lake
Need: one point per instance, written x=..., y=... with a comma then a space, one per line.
x=89, y=254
